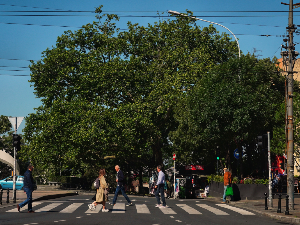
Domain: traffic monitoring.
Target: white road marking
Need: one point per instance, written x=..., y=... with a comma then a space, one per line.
x=188, y=209
x=167, y=211
x=47, y=208
x=119, y=208
x=213, y=210
x=71, y=208
x=238, y=210
x=142, y=208
x=25, y=207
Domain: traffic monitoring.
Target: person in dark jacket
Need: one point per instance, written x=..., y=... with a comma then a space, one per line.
x=28, y=188
x=120, y=186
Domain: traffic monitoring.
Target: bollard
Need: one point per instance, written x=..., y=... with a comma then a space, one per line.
x=287, y=205
x=7, y=199
x=1, y=194
x=279, y=204
x=266, y=202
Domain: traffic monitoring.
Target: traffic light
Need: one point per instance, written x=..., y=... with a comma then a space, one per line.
x=218, y=153
x=17, y=141
x=262, y=141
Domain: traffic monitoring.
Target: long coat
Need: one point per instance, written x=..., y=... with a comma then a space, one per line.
x=100, y=197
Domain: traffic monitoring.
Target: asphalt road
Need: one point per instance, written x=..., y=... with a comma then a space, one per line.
x=74, y=210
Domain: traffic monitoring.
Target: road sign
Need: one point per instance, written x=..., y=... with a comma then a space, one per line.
x=174, y=156
x=236, y=153
x=13, y=122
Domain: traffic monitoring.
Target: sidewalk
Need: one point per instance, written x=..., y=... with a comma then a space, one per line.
x=258, y=206
x=42, y=193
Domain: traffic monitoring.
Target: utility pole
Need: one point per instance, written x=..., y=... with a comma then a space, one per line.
x=291, y=55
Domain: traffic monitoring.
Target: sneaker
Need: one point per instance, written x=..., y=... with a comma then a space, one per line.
x=105, y=210
x=92, y=207
x=18, y=207
x=130, y=204
x=158, y=205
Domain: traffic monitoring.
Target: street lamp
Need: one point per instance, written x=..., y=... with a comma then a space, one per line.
x=181, y=14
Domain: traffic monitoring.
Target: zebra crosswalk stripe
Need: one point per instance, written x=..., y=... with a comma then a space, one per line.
x=142, y=208
x=25, y=207
x=213, y=210
x=71, y=208
x=167, y=210
x=238, y=210
x=48, y=207
x=188, y=209
x=119, y=208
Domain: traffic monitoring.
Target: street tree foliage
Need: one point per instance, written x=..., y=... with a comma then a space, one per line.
x=106, y=92
x=229, y=107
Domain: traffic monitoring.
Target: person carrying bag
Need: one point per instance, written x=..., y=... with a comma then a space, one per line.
x=101, y=195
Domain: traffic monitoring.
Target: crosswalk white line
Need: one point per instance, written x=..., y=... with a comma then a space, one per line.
x=47, y=208
x=142, y=208
x=71, y=208
x=25, y=207
x=213, y=210
x=119, y=208
x=188, y=209
x=167, y=210
x=98, y=208
x=238, y=210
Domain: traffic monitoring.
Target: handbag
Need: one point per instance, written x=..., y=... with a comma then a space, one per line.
x=229, y=191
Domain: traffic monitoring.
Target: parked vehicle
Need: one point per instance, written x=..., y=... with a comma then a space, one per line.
x=7, y=183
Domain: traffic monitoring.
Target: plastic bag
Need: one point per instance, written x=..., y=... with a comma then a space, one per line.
x=229, y=191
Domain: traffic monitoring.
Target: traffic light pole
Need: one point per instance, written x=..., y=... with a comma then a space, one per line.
x=14, y=175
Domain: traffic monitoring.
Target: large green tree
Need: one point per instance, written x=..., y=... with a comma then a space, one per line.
x=106, y=92
x=229, y=107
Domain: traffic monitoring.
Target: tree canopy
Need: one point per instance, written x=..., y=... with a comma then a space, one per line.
x=106, y=92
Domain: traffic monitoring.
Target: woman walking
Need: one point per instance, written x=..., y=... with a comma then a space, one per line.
x=100, y=196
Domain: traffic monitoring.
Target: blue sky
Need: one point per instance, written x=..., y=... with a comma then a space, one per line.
x=25, y=33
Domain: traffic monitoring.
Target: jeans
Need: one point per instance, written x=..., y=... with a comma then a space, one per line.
x=123, y=193
x=28, y=200
x=160, y=189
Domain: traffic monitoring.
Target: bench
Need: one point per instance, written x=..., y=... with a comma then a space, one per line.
x=53, y=183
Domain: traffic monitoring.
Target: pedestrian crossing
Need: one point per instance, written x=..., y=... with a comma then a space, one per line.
x=192, y=209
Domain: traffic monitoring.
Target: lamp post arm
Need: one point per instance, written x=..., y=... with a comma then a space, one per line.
x=181, y=14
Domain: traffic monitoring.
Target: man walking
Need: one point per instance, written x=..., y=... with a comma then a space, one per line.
x=120, y=186
x=28, y=188
x=227, y=182
x=160, y=188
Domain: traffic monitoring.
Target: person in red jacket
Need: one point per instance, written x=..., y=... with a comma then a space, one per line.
x=227, y=182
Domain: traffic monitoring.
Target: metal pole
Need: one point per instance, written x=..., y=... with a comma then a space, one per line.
x=290, y=141
x=174, y=180
x=270, y=176
x=14, y=175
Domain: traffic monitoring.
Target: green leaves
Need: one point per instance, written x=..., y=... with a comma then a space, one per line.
x=107, y=92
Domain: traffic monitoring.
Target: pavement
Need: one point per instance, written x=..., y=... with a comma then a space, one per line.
x=45, y=192
x=258, y=206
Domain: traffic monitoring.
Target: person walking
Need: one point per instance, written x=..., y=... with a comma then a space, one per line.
x=120, y=186
x=227, y=182
x=160, y=188
x=28, y=189
x=100, y=196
